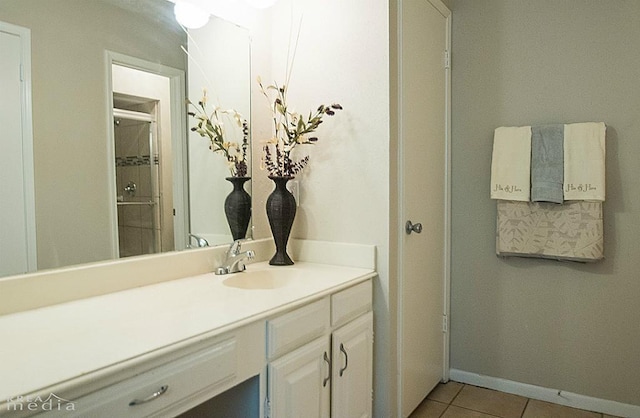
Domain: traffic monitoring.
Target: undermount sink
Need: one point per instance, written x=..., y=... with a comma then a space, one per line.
x=263, y=279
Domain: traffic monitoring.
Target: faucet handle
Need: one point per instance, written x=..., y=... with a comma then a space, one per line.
x=234, y=249
x=200, y=242
x=250, y=255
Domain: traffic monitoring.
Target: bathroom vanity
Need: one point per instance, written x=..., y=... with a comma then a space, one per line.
x=268, y=342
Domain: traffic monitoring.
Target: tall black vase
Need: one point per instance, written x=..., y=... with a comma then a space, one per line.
x=237, y=207
x=281, y=210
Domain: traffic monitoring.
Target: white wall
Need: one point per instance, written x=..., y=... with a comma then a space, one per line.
x=342, y=57
x=568, y=326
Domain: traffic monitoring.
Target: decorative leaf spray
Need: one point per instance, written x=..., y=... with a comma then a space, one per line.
x=290, y=130
x=212, y=126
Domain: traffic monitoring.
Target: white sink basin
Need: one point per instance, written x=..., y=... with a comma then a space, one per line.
x=263, y=279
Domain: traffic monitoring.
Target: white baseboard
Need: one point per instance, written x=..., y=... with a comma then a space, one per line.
x=556, y=396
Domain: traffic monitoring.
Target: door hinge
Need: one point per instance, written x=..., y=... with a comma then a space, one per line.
x=445, y=324
x=447, y=59
x=21, y=73
x=267, y=408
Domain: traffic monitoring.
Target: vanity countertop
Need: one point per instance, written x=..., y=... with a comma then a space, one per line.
x=47, y=346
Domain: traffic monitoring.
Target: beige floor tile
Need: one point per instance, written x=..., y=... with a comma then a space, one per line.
x=456, y=412
x=503, y=405
x=445, y=392
x=429, y=409
x=540, y=409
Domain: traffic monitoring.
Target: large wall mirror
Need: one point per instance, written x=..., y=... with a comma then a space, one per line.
x=116, y=169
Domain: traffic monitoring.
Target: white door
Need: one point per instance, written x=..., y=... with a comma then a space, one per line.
x=17, y=223
x=424, y=122
x=299, y=382
x=351, y=379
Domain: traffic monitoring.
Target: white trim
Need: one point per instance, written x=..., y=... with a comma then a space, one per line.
x=27, y=141
x=556, y=396
x=400, y=215
x=447, y=194
x=111, y=157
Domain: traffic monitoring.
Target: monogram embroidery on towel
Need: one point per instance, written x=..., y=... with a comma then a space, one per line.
x=509, y=188
x=586, y=187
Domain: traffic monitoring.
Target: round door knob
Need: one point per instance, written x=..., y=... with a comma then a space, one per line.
x=411, y=227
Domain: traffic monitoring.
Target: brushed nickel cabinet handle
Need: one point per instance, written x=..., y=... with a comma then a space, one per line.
x=153, y=396
x=326, y=379
x=346, y=359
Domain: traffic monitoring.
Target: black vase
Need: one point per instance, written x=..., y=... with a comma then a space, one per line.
x=281, y=210
x=237, y=207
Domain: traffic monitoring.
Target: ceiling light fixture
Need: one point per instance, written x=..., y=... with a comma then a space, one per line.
x=190, y=16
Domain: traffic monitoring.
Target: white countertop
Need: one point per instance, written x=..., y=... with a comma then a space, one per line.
x=43, y=347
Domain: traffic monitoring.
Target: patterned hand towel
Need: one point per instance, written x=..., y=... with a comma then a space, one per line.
x=571, y=231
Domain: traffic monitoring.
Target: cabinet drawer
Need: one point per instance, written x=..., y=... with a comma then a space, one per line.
x=351, y=303
x=171, y=383
x=293, y=329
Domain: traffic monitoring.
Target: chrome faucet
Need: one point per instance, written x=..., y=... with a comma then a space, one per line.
x=200, y=242
x=234, y=259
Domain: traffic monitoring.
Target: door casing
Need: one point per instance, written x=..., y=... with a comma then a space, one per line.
x=25, y=259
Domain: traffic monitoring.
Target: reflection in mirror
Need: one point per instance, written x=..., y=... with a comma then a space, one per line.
x=137, y=179
x=222, y=70
x=148, y=145
x=75, y=180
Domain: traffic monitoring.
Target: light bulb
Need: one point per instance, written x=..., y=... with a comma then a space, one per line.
x=190, y=16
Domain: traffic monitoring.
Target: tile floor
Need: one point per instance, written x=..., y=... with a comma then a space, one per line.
x=457, y=400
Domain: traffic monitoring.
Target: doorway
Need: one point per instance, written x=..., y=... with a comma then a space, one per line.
x=159, y=92
x=18, y=221
x=424, y=120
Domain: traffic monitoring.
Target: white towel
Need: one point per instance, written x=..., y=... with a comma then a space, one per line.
x=584, y=161
x=511, y=164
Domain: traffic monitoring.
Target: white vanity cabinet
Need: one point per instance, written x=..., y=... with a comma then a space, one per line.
x=299, y=382
x=321, y=358
x=351, y=377
x=175, y=386
x=198, y=346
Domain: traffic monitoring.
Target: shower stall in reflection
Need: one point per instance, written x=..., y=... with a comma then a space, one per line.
x=147, y=158
x=138, y=181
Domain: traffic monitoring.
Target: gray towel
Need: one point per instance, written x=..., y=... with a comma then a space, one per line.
x=547, y=163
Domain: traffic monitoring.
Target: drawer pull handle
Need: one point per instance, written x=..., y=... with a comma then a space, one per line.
x=326, y=379
x=154, y=395
x=346, y=359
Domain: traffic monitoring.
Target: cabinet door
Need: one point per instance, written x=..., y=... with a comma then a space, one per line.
x=299, y=384
x=351, y=382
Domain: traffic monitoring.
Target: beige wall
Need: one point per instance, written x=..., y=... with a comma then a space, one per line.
x=68, y=41
x=559, y=325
